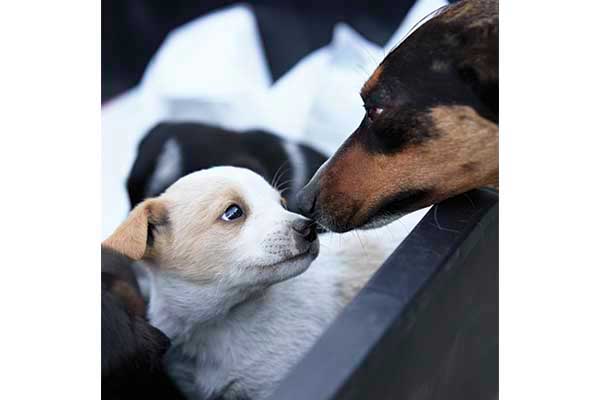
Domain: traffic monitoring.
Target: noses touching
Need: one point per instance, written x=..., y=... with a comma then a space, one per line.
x=307, y=199
x=305, y=231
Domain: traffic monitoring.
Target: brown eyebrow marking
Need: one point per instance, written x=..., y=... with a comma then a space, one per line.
x=371, y=82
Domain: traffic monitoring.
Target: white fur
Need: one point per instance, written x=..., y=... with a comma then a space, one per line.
x=298, y=164
x=236, y=332
x=168, y=166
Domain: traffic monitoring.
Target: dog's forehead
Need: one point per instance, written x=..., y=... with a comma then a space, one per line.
x=219, y=181
x=372, y=90
x=248, y=184
x=444, y=32
x=448, y=58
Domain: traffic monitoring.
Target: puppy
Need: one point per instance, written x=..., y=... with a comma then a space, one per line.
x=132, y=349
x=171, y=150
x=231, y=284
x=430, y=129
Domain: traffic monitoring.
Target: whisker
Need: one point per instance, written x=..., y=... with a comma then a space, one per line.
x=387, y=228
x=371, y=58
x=360, y=241
x=422, y=21
x=276, y=182
x=275, y=176
x=404, y=226
x=361, y=71
x=284, y=183
x=470, y=200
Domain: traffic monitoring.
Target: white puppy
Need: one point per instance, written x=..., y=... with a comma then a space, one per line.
x=221, y=249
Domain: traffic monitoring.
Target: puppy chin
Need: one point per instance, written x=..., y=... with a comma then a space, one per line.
x=293, y=266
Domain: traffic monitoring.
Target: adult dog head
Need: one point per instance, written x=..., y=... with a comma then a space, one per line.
x=430, y=130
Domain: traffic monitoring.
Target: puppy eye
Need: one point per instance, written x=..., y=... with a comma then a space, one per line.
x=373, y=112
x=233, y=212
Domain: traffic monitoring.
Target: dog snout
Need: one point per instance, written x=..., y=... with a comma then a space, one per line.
x=306, y=229
x=307, y=199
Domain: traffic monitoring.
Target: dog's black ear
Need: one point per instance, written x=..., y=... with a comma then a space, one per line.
x=478, y=29
x=480, y=50
x=132, y=237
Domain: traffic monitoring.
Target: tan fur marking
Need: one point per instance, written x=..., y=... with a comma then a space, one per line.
x=457, y=11
x=367, y=179
x=131, y=298
x=372, y=82
x=194, y=226
x=131, y=237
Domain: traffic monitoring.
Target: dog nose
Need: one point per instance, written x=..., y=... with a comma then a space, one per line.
x=307, y=229
x=307, y=199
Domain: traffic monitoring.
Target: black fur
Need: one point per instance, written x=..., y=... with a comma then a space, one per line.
x=399, y=204
x=204, y=146
x=465, y=55
x=132, y=349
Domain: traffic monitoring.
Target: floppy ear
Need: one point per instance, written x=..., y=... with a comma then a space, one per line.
x=131, y=237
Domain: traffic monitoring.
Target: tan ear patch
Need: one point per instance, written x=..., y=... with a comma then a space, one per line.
x=132, y=299
x=131, y=237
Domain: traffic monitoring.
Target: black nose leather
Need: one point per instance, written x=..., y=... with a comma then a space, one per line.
x=306, y=200
x=307, y=229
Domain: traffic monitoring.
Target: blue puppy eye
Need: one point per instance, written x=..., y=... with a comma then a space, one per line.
x=233, y=212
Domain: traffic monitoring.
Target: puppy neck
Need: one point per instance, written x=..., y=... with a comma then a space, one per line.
x=178, y=306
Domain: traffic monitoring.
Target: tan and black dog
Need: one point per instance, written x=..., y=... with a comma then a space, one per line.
x=430, y=129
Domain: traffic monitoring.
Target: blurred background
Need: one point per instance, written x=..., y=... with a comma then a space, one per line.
x=290, y=67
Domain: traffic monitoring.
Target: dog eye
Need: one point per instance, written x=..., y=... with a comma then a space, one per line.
x=373, y=112
x=233, y=212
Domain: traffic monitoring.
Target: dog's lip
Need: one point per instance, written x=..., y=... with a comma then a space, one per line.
x=310, y=252
x=401, y=204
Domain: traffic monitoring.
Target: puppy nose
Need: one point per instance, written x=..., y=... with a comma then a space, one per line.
x=307, y=229
x=307, y=198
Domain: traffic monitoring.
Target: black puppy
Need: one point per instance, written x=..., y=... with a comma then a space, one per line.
x=172, y=150
x=132, y=349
